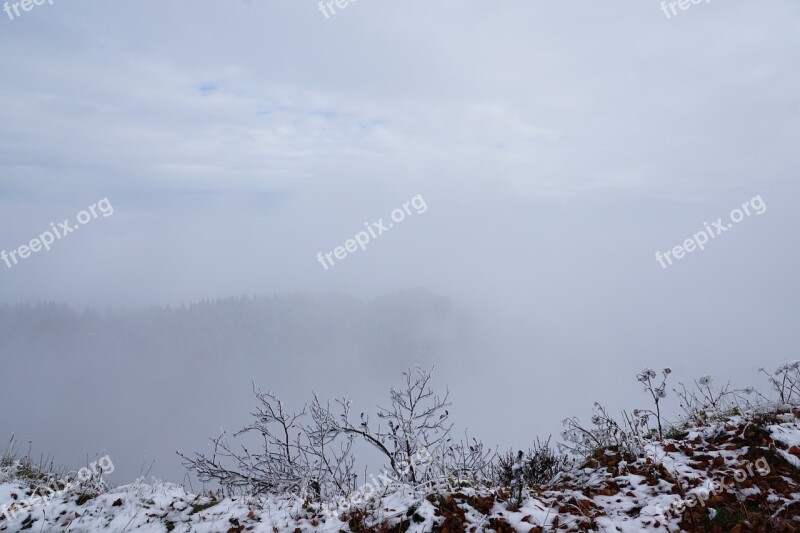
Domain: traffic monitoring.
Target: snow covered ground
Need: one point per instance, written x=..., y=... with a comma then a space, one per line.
x=737, y=474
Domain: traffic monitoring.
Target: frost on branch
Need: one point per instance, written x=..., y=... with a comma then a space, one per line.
x=309, y=453
x=297, y=454
x=415, y=424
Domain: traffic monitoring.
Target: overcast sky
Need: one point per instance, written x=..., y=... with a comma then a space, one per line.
x=557, y=145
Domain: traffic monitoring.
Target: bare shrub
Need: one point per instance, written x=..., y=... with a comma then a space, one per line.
x=627, y=438
x=298, y=455
x=309, y=453
x=538, y=466
x=704, y=402
x=786, y=382
x=467, y=461
x=416, y=425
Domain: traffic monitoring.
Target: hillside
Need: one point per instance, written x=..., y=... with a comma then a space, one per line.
x=738, y=473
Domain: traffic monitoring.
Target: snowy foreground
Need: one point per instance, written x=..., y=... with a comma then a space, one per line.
x=740, y=474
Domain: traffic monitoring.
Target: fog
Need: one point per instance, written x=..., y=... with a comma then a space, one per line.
x=216, y=151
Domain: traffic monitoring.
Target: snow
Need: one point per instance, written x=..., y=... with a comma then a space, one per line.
x=628, y=497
